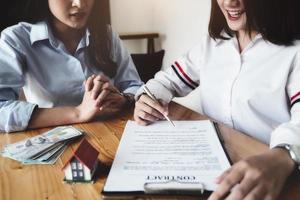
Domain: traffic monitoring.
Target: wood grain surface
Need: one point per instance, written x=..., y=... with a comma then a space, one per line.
x=45, y=182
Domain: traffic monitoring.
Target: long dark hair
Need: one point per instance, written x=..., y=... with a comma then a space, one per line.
x=276, y=20
x=99, y=51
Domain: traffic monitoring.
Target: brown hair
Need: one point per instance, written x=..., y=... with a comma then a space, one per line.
x=99, y=49
x=276, y=20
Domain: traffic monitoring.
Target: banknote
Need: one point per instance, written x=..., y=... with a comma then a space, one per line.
x=48, y=158
x=41, y=147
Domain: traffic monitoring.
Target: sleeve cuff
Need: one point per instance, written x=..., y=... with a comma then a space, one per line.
x=158, y=90
x=16, y=116
x=132, y=90
x=287, y=133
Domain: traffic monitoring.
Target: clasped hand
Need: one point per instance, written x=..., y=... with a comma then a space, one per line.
x=100, y=97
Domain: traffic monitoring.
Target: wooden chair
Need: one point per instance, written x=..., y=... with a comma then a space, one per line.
x=149, y=63
x=149, y=36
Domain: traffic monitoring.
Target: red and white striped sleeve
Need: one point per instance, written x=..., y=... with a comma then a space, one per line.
x=180, y=78
x=289, y=132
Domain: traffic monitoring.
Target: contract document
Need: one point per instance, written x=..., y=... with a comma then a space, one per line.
x=160, y=156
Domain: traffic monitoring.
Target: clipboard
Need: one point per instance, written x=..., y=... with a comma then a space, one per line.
x=166, y=188
x=222, y=141
x=159, y=190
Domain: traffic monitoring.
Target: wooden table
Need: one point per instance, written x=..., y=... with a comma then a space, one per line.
x=37, y=182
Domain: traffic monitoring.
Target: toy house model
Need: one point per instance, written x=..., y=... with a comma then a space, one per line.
x=82, y=164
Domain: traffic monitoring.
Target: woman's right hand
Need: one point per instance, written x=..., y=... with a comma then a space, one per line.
x=148, y=111
x=91, y=102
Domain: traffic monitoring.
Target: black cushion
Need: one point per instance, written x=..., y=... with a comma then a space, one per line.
x=148, y=64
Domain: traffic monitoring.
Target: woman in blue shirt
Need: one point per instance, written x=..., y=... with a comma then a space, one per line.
x=71, y=65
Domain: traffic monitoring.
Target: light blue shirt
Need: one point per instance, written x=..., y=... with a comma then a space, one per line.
x=33, y=59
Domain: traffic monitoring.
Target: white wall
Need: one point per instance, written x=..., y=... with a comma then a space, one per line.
x=129, y=16
x=180, y=23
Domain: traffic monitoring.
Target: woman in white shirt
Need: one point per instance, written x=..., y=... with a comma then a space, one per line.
x=248, y=71
x=67, y=43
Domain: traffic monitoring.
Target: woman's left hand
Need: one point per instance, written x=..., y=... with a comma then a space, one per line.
x=258, y=177
x=111, y=100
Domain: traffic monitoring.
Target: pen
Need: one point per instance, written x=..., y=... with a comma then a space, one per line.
x=152, y=97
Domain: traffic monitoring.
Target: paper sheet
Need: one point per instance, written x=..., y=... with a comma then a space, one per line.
x=190, y=152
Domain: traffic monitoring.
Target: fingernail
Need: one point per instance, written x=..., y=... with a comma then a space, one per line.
x=217, y=180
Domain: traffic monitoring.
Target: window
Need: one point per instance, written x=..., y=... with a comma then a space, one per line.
x=74, y=174
x=79, y=165
x=77, y=170
x=73, y=164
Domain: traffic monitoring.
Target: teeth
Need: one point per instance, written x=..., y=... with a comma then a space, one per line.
x=234, y=13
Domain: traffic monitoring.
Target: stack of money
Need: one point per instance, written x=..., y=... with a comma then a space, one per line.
x=42, y=149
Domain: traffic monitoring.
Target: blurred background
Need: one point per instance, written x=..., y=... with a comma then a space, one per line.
x=179, y=23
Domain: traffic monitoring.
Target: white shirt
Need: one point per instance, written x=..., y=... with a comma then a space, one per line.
x=33, y=59
x=255, y=92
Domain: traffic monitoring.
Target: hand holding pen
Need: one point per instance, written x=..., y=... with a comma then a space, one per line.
x=148, y=109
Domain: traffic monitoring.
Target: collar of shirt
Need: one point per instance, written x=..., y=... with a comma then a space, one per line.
x=42, y=31
x=224, y=34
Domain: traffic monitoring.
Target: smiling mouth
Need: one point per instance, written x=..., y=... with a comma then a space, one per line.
x=78, y=15
x=235, y=14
